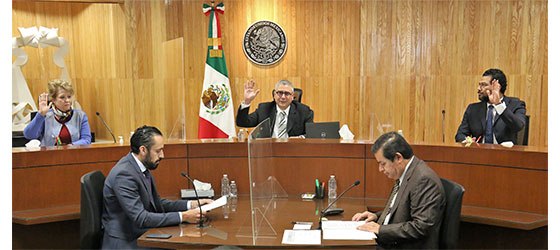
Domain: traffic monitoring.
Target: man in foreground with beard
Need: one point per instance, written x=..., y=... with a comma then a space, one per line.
x=131, y=204
x=496, y=118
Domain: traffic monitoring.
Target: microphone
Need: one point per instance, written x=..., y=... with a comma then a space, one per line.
x=443, y=123
x=200, y=222
x=107, y=126
x=356, y=183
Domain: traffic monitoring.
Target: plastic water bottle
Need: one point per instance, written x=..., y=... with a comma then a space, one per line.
x=241, y=135
x=225, y=211
x=225, y=185
x=332, y=187
x=233, y=188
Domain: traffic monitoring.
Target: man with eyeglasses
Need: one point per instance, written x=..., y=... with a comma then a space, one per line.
x=286, y=117
x=496, y=118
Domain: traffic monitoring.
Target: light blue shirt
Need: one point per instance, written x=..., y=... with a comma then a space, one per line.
x=498, y=110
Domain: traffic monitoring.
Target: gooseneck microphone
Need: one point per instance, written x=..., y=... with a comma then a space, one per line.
x=356, y=183
x=107, y=126
x=200, y=222
x=443, y=123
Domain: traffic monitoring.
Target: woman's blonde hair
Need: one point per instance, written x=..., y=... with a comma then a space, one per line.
x=58, y=83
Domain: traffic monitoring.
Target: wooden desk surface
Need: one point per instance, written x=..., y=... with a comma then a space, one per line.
x=229, y=227
x=46, y=188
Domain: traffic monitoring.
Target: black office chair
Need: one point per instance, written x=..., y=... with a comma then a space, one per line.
x=91, y=208
x=449, y=230
x=298, y=93
x=523, y=134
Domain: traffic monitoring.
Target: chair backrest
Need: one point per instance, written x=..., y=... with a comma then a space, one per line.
x=91, y=207
x=298, y=93
x=449, y=230
x=523, y=134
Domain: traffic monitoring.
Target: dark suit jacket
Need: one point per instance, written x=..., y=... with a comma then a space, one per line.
x=298, y=116
x=505, y=126
x=129, y=210
x=417, y=212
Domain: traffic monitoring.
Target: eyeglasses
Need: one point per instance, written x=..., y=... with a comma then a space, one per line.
x=483, y=84
x=283, y=93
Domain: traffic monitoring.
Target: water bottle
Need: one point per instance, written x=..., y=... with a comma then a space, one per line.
x=225, y=211
x=121, y=141
x=332, y=187
x=233, y=204
x=225, y=185
x=233, y=189
x=241, y=135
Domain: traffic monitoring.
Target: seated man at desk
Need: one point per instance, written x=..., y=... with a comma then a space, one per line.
x=287, y=118
x=497, y=118
x=413, y=213
x=131, y=203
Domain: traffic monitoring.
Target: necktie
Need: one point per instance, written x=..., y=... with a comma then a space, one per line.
x=282, y=125
x=388, y=205
x=488, y=138
x=148, y=181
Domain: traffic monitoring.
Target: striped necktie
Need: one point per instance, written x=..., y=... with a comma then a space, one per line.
x=282, y=125
x=388, y=207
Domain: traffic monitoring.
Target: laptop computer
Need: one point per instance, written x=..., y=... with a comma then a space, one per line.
x=323, y=130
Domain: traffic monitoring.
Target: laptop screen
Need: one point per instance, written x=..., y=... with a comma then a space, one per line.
x=325, y=130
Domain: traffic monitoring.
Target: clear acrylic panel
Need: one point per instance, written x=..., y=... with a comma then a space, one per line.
x=264, y=187
x=379, y=126
x=173, y=80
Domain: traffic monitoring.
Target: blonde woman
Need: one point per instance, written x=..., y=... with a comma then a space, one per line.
x=56, y=123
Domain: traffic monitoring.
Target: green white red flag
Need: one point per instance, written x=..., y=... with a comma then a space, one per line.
x=216, y=119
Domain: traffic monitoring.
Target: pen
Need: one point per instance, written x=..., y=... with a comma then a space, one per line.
x=317, y=183
x=478, y=139
x=302, y=222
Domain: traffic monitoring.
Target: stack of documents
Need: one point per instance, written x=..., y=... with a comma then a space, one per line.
x=302, y=237
x=332, y=230
x=345, y=230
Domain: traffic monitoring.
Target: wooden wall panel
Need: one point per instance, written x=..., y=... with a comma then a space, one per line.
x=454, y=42
x=363, y=63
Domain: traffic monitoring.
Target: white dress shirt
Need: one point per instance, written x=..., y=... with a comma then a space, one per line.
x=277, y=121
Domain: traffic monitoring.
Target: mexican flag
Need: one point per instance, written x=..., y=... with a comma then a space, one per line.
x=216, y=118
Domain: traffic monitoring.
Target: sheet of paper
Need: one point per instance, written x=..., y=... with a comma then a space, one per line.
x=217, y=203
x=302, y=237
x=339, y=224
x=345, y=234
x=302, y=226
x=345, y=230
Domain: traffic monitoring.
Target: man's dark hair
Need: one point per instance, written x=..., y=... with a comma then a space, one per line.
x=392, y=143
x=143, y=136
x=498, y=75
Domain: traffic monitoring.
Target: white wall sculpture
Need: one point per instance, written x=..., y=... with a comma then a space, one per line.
x=23, y=102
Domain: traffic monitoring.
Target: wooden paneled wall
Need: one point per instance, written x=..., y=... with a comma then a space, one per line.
x=362, y=63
